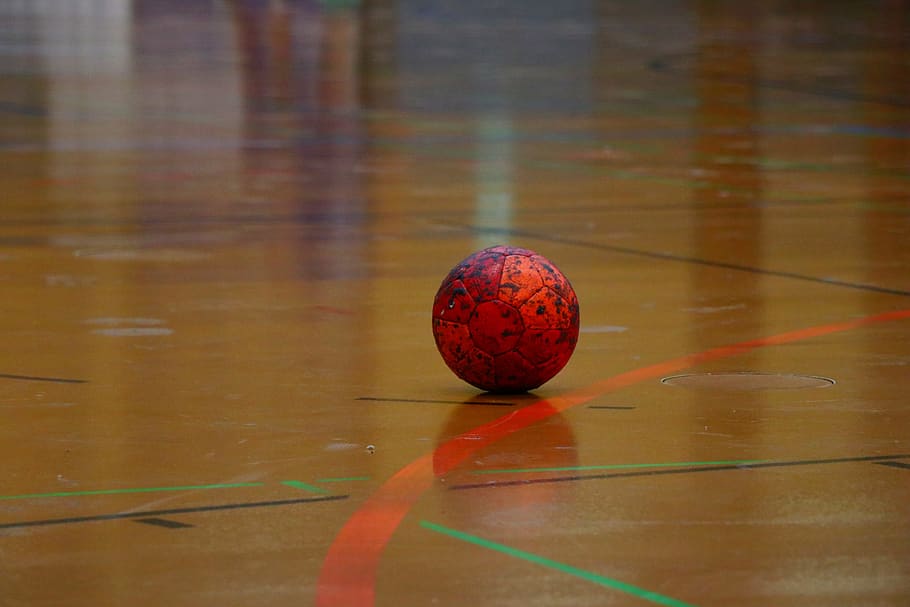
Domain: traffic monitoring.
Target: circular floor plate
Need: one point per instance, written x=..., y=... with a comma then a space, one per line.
x=747, y=380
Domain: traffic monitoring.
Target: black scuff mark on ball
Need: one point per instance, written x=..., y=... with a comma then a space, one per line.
x=511, y=286
x=456, y=293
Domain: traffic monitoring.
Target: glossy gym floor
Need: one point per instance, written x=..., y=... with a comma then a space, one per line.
x=222, y=226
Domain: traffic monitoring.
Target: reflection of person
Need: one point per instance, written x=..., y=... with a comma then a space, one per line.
x=303, y=149
x=296, y=55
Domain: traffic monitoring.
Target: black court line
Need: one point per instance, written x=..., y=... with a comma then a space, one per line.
x=163, y=522
x=612, y=407
x=160, y=513
x=440, y=402
x=672, y=471
x=58, y=380
x=680, y=258
x=902, y=465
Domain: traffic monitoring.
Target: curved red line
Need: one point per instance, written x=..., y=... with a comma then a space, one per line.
x=348, y=575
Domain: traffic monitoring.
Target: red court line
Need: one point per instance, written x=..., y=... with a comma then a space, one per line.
x=348, y=575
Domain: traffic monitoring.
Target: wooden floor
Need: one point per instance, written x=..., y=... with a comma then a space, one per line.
x=222, y=225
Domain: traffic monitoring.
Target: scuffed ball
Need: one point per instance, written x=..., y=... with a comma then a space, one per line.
x=505, y=319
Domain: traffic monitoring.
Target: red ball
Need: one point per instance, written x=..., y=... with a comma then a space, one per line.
x=505, y=319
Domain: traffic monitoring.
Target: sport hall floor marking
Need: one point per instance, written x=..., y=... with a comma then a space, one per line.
x=146, y=514
x=595, y=246
x=733, y=462
x=691, y=469
x=57, y=380
x=128, y=491
x=295, y=484
x=590, y=576
x=349, y=570
x=304, y=486
x=153, y=517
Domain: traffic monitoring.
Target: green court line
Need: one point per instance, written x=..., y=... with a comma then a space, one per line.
x=635, y=591
x=734, y=462
x=121, y=491
x=304, y=486
x=343, y=479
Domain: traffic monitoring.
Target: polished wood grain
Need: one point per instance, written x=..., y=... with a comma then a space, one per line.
x=222, y=225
